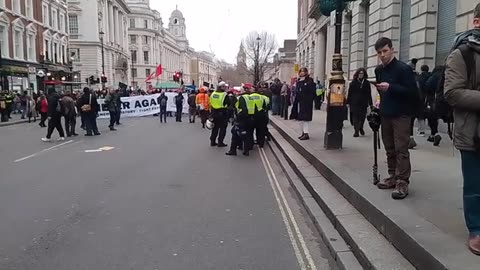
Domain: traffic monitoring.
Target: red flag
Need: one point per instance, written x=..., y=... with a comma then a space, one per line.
x=159, y=70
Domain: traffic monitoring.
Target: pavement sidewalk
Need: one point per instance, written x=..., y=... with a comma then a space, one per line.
x=16, y=119
x=432, y=214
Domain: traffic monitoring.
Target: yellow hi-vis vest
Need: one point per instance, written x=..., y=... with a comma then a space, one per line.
x=258, y=100
x=320, y=91
x=217, y=100
x=249, y=103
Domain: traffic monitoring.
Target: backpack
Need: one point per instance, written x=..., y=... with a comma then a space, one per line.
x=441, y=107
x=59, y=108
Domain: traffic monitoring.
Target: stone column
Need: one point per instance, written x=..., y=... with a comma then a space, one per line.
x=312, y=59
x=322, y=54
x=111, y=28
x=116, y=26
x=423, y=31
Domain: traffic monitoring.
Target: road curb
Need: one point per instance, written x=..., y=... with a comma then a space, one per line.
x=6, y=124
x=332, y=212
x=422, y=243
x=337, y=247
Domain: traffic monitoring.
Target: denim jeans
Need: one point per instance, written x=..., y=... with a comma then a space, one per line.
x=471, y=190
x=275, y=104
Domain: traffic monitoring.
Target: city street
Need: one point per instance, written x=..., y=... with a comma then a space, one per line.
x=148, y=196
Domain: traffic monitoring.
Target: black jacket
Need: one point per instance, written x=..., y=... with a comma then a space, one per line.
x=53, y=101
x=401, y=99
x=359, y=94
x=305, y=94
x=85, y=99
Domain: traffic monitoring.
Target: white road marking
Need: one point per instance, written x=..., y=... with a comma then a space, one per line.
x=44, y=150
x=285, y=206
x=93, y=151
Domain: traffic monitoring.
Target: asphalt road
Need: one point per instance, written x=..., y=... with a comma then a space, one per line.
x=148, y=196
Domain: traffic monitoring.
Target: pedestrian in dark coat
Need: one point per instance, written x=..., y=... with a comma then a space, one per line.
x=54, y=116
x=359, y=98
x=89, y=109
x=305, y=95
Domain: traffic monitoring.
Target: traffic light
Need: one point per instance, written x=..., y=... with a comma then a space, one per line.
x=175, y=76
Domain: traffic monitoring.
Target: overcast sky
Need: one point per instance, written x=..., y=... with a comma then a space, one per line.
x=221, y=24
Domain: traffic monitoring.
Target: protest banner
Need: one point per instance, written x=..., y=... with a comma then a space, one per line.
x=137, y=106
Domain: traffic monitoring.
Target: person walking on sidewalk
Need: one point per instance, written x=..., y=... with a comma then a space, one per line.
x=359, y=99
x=305, y=94
x=462, y=81
x=54, y=116
x=398, y=90
x=432, y=117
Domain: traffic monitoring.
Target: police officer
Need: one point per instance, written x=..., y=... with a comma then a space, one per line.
x=260, y=118
x=245, y=109
x=218, y=108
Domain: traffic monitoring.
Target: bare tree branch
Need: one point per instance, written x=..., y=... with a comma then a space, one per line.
x=260, y=49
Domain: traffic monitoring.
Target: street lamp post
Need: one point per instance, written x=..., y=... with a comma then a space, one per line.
x=71, y=73
x=103, y=58
x=257, y=64
x=336, y=95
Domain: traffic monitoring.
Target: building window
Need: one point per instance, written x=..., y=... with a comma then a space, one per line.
x=31, y=47
x=46, y=49
x=145, y=24
x=132, y=23
x=54, y=19
x=16, y=6
x=46, y=19
x=28, y=8
x=3, y=40
x=73, y=24
x=18, y=44
x=134, y=72
x=147, y=72
x=146, y=58
x=134, y=56
x=62, y=56
x=133, y=39
x=75, y=54
x=145, y=40
x=2, y=3
x=55, y=52
x=61, y=23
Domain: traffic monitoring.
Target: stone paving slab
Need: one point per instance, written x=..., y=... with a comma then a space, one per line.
x=435, y=201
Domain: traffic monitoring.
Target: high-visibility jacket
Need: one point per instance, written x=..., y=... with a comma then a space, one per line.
x=259, y=101
x=320, y=91
x=217, y=100
x=250, y=105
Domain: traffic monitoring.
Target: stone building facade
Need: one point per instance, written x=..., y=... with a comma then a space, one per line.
x=422, y=29
x=87, y=20
x=33, y=43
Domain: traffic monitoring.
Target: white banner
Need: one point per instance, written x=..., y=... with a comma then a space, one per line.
x=136, y=106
